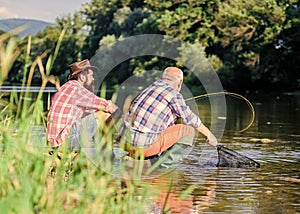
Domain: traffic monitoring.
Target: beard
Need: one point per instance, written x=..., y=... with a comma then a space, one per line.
x=90, y=87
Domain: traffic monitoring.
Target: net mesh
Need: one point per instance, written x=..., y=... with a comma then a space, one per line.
x=230, y=158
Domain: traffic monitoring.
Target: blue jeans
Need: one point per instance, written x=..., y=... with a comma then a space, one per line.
x=83, y=132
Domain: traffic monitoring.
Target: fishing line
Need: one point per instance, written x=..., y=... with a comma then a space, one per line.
x=233, y=95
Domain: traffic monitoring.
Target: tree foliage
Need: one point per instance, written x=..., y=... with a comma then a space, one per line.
x=251, y=44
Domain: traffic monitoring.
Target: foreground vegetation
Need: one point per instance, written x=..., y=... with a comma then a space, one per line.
x=27, y=187
x=28, y=181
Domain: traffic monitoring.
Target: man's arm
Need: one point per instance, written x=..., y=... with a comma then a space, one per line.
x=212, y=140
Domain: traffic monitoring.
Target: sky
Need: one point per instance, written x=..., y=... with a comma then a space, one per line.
x=45, y=10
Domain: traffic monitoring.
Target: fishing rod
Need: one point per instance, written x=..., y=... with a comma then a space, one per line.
x=233, y=95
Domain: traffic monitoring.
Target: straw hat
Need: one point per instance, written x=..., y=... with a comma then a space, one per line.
x=78, y=67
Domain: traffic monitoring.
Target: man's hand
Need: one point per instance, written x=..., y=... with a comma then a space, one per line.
x=212, y=140
x=112, y=107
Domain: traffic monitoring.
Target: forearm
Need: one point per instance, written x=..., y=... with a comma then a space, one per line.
x=203, y=130
x=212, y=140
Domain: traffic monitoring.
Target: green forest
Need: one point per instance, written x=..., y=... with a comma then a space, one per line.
x=252, y=45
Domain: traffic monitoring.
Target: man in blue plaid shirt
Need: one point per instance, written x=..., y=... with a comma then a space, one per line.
x=152, y=115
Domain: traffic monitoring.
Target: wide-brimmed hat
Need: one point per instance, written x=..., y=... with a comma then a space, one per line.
x=78, y=67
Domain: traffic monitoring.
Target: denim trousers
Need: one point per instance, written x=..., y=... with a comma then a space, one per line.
x=83, y=132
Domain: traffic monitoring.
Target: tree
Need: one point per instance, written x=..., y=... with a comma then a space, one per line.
x=99, y=16
x=188, y=20
x=119, y=19
x=250, y=43
x=244, y=29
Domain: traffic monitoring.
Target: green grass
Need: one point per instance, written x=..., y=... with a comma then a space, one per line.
x=28, y=187
x=26, y=184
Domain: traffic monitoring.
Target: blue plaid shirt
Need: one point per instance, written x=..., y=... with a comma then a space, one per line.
x=156, y=108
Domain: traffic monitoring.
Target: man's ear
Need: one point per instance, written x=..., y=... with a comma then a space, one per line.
x=179, y=85
x=81, y=78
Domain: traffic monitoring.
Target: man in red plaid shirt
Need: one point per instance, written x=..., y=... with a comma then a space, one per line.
x=75, y=107
x=152, y=115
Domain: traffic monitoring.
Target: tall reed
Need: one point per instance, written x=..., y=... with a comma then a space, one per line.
x=27, y=184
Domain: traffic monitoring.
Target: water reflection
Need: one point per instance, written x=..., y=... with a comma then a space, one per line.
x=174, y=194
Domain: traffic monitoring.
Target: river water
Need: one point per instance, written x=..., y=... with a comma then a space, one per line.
x=273, y=140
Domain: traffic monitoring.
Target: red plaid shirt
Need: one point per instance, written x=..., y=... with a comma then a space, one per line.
x=70, y=103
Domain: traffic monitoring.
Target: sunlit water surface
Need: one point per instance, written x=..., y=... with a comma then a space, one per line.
x=197, y=186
